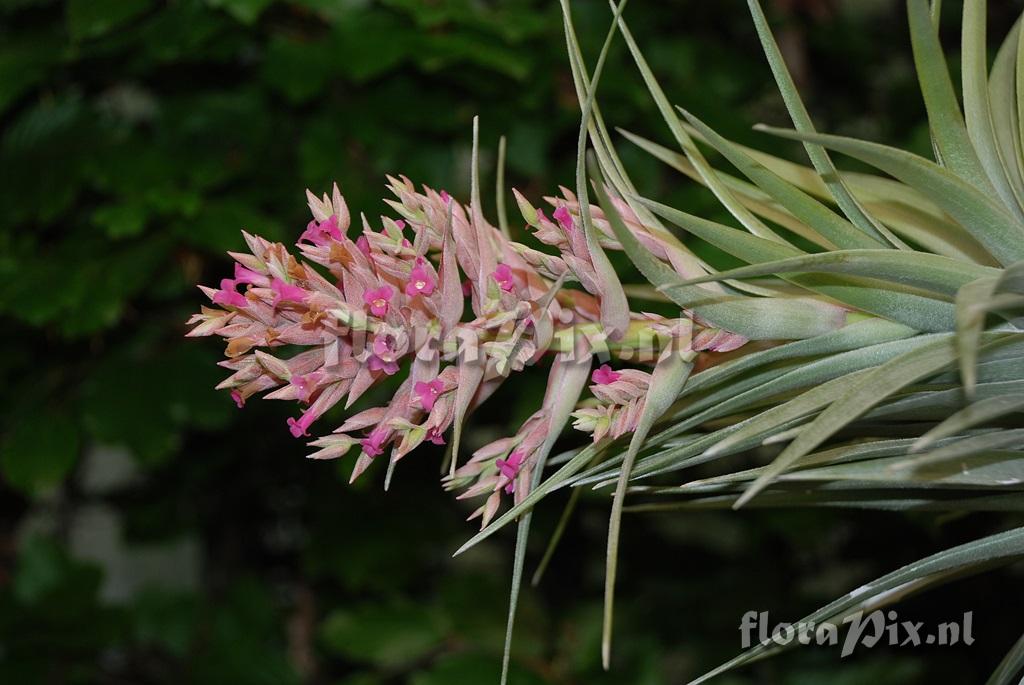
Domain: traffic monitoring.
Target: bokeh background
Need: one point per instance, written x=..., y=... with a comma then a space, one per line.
x=150, y=532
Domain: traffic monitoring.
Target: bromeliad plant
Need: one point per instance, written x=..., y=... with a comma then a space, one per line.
x=874, y=339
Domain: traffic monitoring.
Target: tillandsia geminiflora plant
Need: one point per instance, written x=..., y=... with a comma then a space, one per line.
x=872, y=347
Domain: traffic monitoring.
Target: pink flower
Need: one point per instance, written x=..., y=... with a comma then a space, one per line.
x=420, y=281
x=287, y=292
x=330, y=227
x=428, y=393
x=244, y=275
x=509, y=468
x=386, y=350
x=434, y=436
x=373, y=444
x=445, y=197
x=603, y=375
x=363, y=244
x=400, y=224
x=378, y=299
x=377, y=364
x=300, y=428
x=312, y=233
x=563, y=217
x=227, y=294
x=307, y=384
x=323, y=232
x=237, y=397
x=387, y=346
x=503, y=276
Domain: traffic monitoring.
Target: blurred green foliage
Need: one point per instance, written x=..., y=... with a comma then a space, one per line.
x=151, y=533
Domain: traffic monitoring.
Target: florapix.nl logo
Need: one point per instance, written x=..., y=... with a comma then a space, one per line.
x=861, y=630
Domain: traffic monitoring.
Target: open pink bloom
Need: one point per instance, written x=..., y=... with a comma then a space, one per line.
x=228, y=295
x=386, y=350
x=420, y=281
x=563, y=217
x=375, y=363
x=237, y=397
x=603, y=375
x=428, y=393
x=378, y=299
x=287, y=292
x=244, y=275
x=373, y=444
x=323, y=232
x=503, y=276
x=388, y=347
x=510, y=468
x=300, y=427
x=435, y=436
x=307, y=384
x=312, y=233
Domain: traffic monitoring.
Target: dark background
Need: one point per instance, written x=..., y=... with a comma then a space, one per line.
x=152, y=533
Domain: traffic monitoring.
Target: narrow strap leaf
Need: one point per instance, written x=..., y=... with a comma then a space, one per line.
x=736, y=242
x=941, y=275
x=499, y=190
x=1020, y=101
x=869, y=390
x=974, y=459
x=820, y=218
x=485, y=246
x=900, y=206
x=1002, y=93
x=851, y=337
x=724, y=195
x=606, y=154
x=750, y=195
x=987, y=221
x=947, y=124
x=760, y=318
x=667, y=380
x=977, y=107
x=471, y=373
x=971, y=311
x=795, y=495
x=802, y=122
x=909, y=308
x=614, y=306
x=568, y=378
